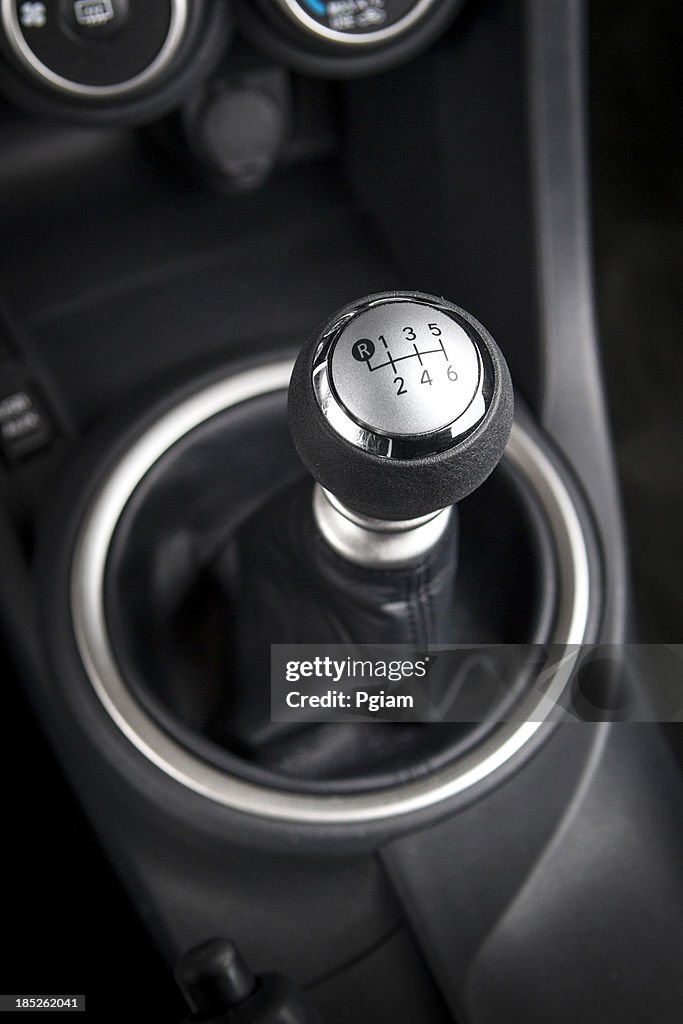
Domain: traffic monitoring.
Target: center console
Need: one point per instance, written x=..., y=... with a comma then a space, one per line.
x=255, y=433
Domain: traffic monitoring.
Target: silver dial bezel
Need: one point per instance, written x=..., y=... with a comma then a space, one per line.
x=377, y=442
x=32, y=63
x=296, y=13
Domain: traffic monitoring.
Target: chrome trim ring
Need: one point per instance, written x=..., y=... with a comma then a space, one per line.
x=94, y=644
x=296, y=13
x=176, y=29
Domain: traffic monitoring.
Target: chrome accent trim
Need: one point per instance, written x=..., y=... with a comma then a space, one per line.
x=294, y=10
x=176, y=28
x=94, y=645
x=376, y=543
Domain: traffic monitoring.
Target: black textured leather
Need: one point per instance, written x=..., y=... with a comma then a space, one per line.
x=290, y=577
x=286, y=585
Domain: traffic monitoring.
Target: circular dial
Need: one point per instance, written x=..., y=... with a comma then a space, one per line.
x=94, y=48
x=404, y=369
x=402, y=377
x=356, y=22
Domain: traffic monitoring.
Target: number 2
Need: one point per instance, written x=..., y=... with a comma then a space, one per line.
x=401, y=386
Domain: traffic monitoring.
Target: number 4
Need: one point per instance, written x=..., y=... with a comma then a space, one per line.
x=426, y=379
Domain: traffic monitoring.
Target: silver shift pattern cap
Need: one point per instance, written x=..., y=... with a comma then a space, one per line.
x=401, y=378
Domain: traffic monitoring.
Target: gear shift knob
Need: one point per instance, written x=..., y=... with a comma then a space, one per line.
x=400, y=405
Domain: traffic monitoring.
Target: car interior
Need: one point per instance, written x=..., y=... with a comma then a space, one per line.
x=333, y=335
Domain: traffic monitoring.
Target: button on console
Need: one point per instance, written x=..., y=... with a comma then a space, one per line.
x=24, y=425
x=94, y=19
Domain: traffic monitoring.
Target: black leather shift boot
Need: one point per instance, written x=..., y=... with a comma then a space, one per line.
x=290, y=586
x=286, y=585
